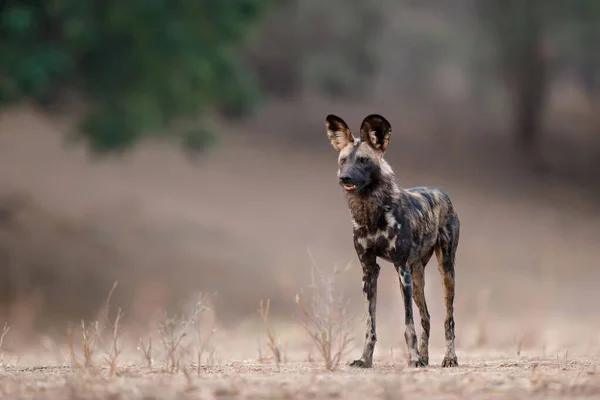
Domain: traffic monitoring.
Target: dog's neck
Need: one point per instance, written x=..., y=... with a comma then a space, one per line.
x=368, y=208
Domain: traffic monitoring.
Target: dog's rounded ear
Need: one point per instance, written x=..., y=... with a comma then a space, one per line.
x=338, y=132
x=376, y=130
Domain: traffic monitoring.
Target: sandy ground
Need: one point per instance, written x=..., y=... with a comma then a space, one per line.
x=477, y=378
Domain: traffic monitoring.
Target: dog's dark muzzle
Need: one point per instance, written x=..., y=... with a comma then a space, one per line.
x=348, y=183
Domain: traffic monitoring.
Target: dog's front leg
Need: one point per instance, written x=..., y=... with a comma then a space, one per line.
x=370, y=275
x=410, y=335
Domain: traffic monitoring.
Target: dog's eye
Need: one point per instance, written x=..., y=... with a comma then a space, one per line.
x=361, y=160
x=343, y=160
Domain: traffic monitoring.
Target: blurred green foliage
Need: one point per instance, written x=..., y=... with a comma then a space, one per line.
x=141, y=66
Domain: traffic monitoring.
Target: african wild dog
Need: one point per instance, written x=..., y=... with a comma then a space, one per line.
x=402, y=226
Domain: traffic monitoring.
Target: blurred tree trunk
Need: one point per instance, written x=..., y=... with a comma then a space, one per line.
x=589, y=65
x=517, y=32
x=527, y=75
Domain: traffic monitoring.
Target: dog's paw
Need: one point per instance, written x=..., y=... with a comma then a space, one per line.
x=416, y=363
x=361, y=364
x=449, y=361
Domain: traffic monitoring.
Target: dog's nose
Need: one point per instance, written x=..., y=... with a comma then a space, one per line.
x=345, y=179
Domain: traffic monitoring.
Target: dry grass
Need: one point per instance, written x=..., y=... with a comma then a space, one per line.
x=101, y=334
x=146, y=348
x=116, y=347
x=324, y=316
x=174, y=329
x=106, y=334
x=272, y=340
x=5, y=331
x=204, y=344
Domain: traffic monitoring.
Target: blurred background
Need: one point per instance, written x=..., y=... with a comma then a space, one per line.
x=178, y=146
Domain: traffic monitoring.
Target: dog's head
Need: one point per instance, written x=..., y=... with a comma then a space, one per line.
x=360, y=159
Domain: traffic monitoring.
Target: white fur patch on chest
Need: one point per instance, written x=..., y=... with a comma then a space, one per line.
x=388, y=235
x=371, y=238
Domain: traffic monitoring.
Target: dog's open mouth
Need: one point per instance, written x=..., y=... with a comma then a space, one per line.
x=349, y=187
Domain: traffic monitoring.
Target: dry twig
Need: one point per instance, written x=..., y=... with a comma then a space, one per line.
x=272, y=342
x=324, y=316
x=173, y=330
x=115, y=350
x=146, y=351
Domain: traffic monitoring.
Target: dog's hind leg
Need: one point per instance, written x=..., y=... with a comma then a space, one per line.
x=445, y=252
x=418, y=279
